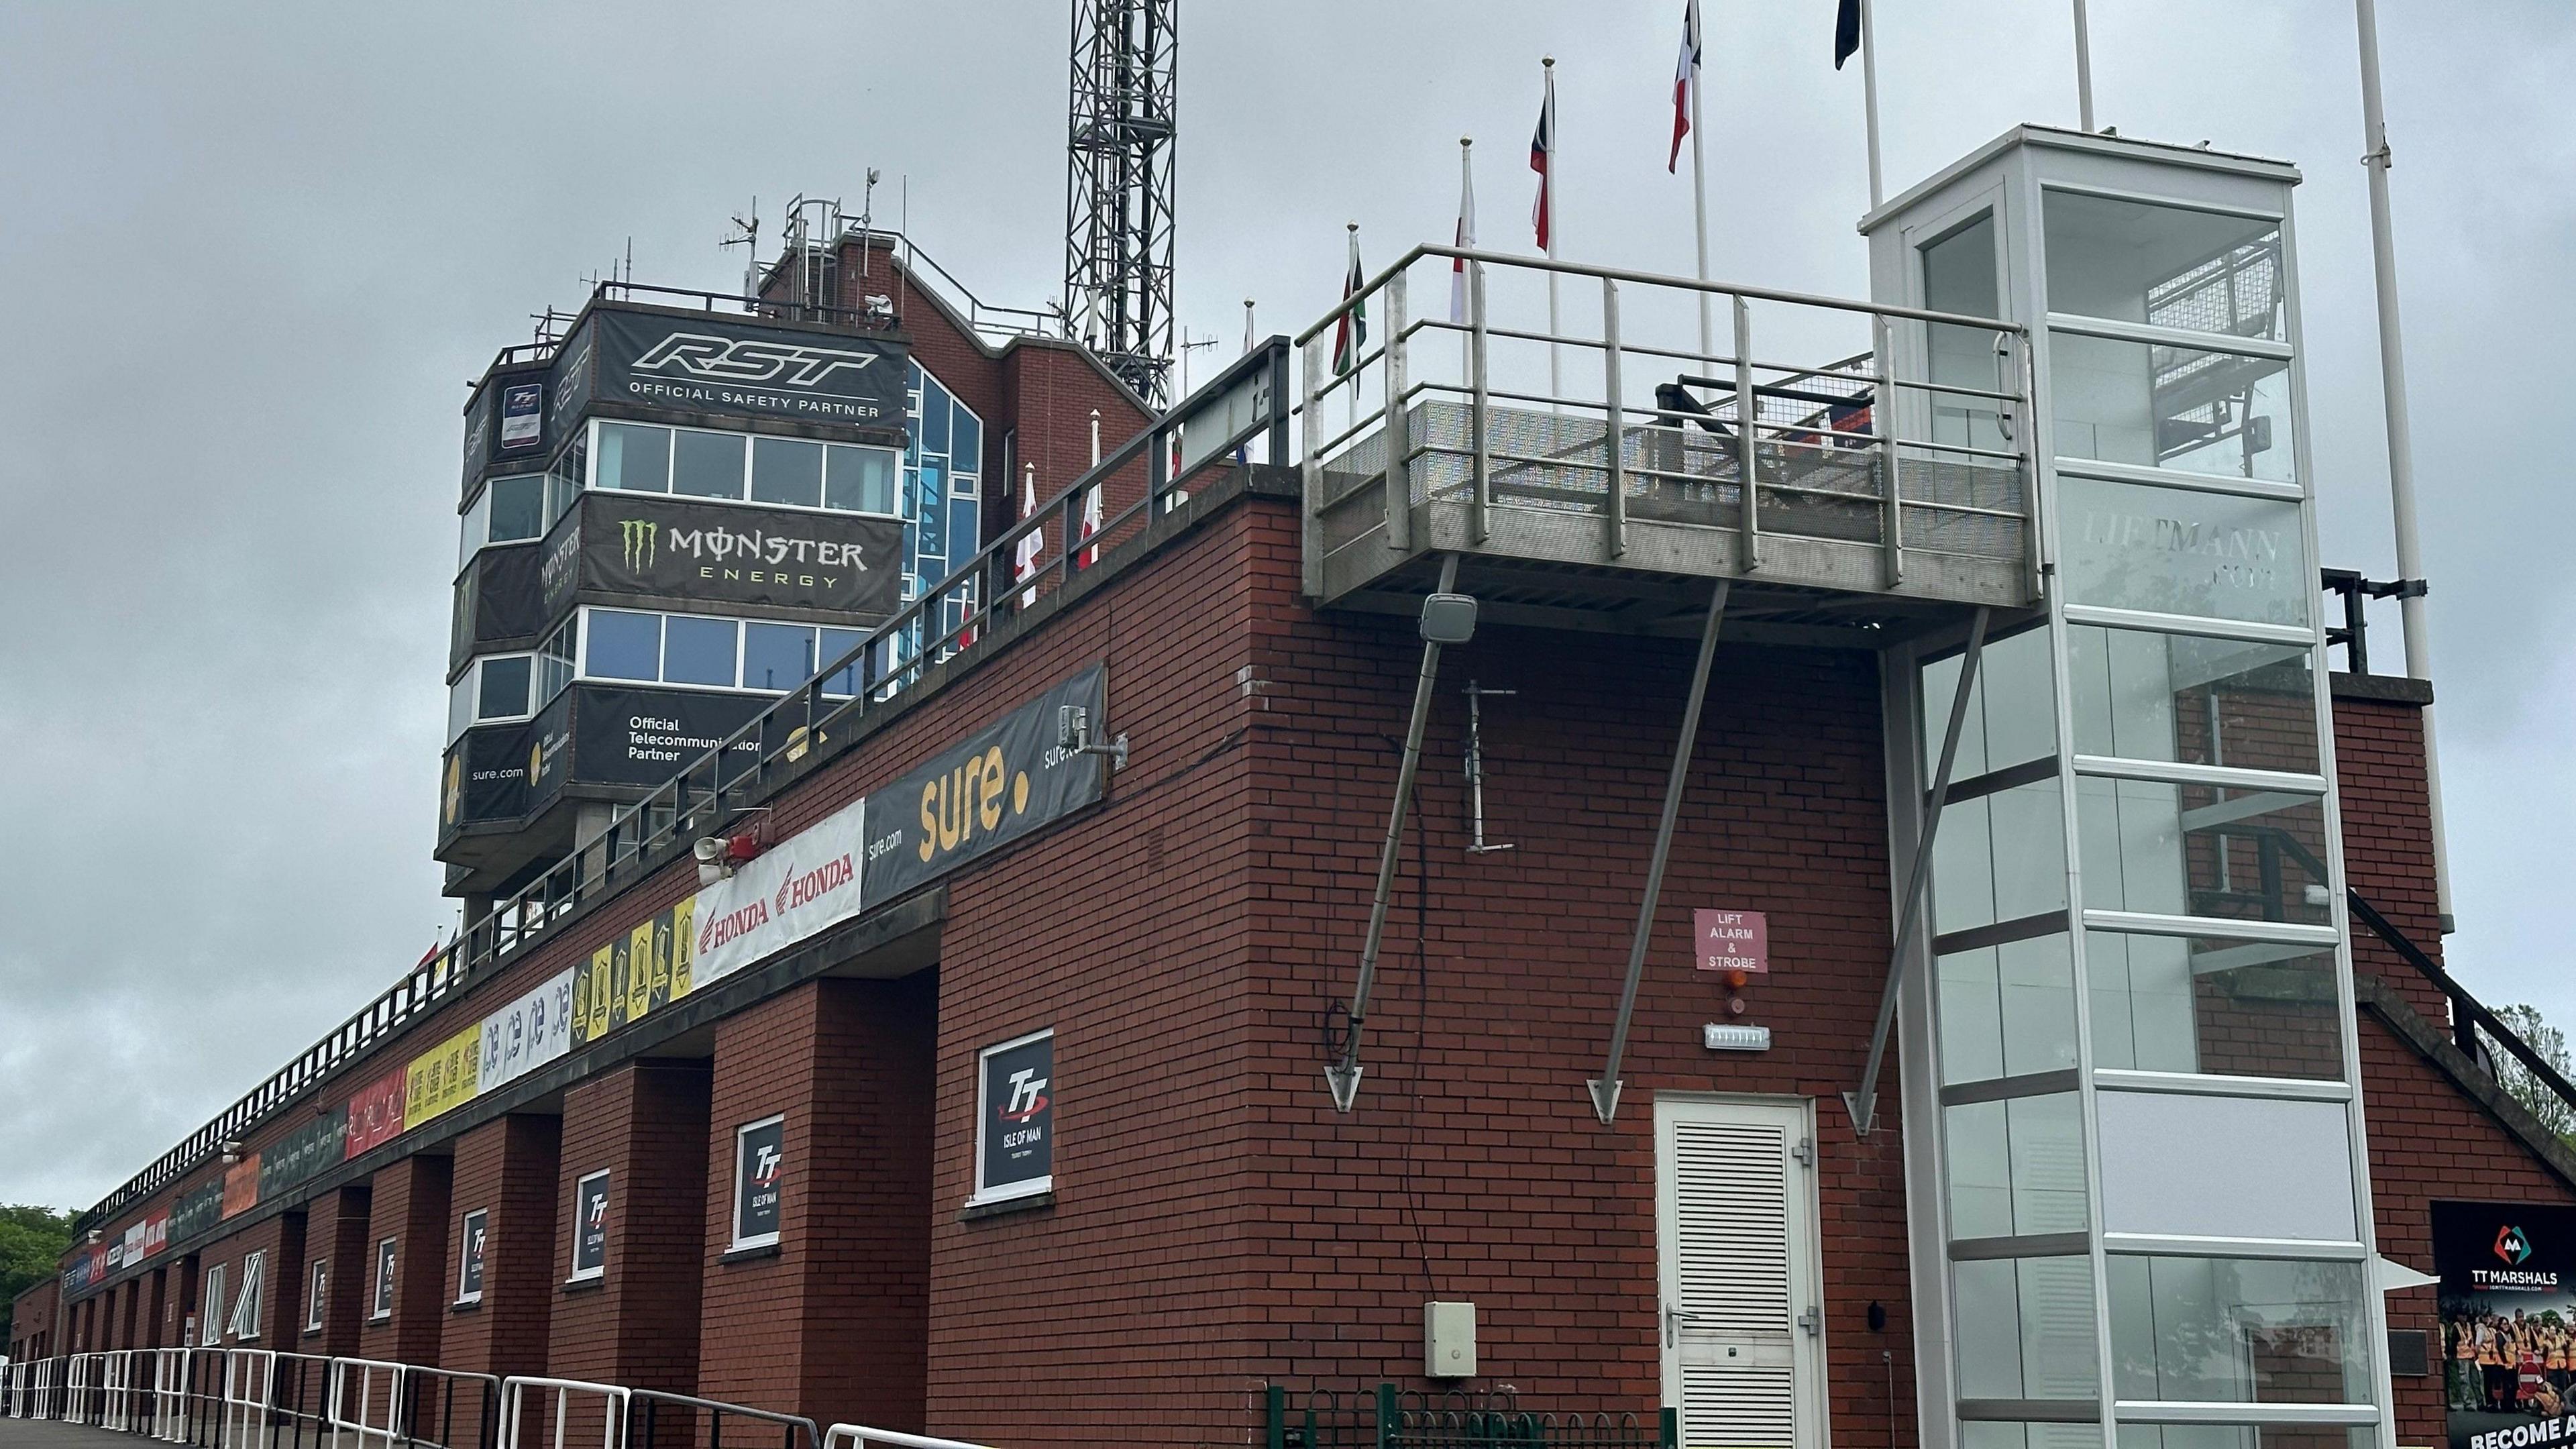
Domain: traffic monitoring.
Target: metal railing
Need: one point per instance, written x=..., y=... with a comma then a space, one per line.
x=1627, y=422
x=680, y=1421
x=2474, y=1028
x=566, y=1426
x=1392, y=1418
x=2353, y=635
x=860, y=1436
x=380, y=1404
x=1242, y=406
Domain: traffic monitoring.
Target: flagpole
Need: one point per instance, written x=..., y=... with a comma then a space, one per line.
x=2083, y=67
x=1547, y=182
x=2401, y=443
x=1699, y=180
x=1869, y=91
x=1351, y=413
x=1466, y=238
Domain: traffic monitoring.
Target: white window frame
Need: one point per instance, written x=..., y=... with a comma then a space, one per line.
x=894, y=463
x=733, y=1224
x=984, y=1121
x=210, y=1307
x=318, y=1282
x=579, y=1273
x=474, y=533
x=471, y=684
x=465, y=1251
x=383, y=1283
x=581, y=651
x=244, y=1324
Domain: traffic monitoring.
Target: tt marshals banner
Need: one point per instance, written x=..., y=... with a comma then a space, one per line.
x=1000, y=783
x=797, y=888
x=709, y=364
x=2508, y=1275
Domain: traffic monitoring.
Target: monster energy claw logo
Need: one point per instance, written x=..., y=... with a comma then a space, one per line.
x=638, y=534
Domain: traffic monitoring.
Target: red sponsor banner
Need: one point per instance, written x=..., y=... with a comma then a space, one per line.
x=376, y=1112
x=98, y=1264
x=156, y=1233
x=1731, y=940
x=241, y=1185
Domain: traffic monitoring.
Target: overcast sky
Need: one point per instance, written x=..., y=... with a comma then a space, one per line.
x=248, y=256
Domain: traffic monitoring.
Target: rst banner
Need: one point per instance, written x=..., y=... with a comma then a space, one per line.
x=2508, y=1291
x=1005, y=781
x=631, y=543
x=703, y=363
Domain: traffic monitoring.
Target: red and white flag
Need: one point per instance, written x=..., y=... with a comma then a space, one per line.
x=1024, y=556
x=1685, y=82
x=1543, y=161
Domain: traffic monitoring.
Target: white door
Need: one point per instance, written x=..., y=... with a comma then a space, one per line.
x=1735, y=1232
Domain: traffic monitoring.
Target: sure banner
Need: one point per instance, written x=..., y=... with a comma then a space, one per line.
x=998, y=784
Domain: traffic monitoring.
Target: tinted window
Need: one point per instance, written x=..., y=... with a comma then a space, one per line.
x=861, y=480
x=708, y=465
x=784, y=470
x=625, y=646
x=837, y=642
x=505, y=687
x=697, y=651
x=635, y=459
x=518, y=508
x=777, y=656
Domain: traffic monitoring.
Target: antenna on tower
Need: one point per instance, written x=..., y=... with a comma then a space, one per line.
x=746, y=235
x=1118, y=188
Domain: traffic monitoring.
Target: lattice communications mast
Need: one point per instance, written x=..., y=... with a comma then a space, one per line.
x=1118, y=187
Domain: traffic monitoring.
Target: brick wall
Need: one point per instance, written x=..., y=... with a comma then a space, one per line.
x=830, y=1322
x=637, y=1324
x=508, y=1167
x=408, y=1203
x=336, y=1236
x=2387, y=828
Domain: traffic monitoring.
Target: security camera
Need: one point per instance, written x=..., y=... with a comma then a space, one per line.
x=1073, y=736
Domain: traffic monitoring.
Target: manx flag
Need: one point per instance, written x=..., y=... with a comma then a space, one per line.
x=1685, y=82
x=1351, y=333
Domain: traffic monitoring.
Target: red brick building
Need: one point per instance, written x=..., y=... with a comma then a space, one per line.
x=998, y=1108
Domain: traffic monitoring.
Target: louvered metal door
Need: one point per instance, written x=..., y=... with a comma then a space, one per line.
x=1735, y=1231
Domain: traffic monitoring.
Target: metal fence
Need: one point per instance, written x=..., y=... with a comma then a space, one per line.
x=1393, y=1418
x=247, y=1398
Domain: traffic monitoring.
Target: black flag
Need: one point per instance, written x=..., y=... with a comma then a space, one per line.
x=1846, y=32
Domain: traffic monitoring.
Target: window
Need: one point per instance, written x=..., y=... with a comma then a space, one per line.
x=383, y=1307
x=590, y=1227
x=1015, y=1118
x=472, y=1237
x=698, y=651
x=210, y=1308
x=942, y=491
x=2173, y=551
x=495, y=688
x=555, y=668
x=759, y=1181
x=313, y=1295
x=739, y=467
x=245, y=1322
x=508, y=510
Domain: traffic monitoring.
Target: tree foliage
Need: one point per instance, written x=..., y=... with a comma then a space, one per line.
x=2550, y=1045
x=32, y=1240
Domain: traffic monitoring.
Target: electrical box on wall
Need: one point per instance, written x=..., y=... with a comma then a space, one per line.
x=1449, y=1340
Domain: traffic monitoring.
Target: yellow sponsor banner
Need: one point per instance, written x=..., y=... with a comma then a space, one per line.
x=445, y=1076
x=635, y=974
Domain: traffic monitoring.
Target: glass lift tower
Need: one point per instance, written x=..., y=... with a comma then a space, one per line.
x=2134, y=1126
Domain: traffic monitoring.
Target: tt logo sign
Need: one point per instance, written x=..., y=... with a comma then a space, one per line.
x=764, y=1166
x=1028, y=1096
x=749, y=360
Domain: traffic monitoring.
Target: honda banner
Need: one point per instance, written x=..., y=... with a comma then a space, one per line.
x=792, y=890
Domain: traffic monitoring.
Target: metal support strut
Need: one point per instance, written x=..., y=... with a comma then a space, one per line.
x=1343, y=1076
x=1863, y=1104
x=1605, y=1088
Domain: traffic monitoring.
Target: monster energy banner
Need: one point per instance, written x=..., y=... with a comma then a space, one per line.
x=996, y=785
x=645, y=736
x=303, y=1152
x=700, y=363
x=729, y=554
x=2508, y=1275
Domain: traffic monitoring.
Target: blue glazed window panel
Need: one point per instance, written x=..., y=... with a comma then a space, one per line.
x=624, y=645
x=698, y=651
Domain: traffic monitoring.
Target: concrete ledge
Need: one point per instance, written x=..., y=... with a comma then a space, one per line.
x=2386, y=688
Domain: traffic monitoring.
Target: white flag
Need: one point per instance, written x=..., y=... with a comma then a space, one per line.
x=1466, y=236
